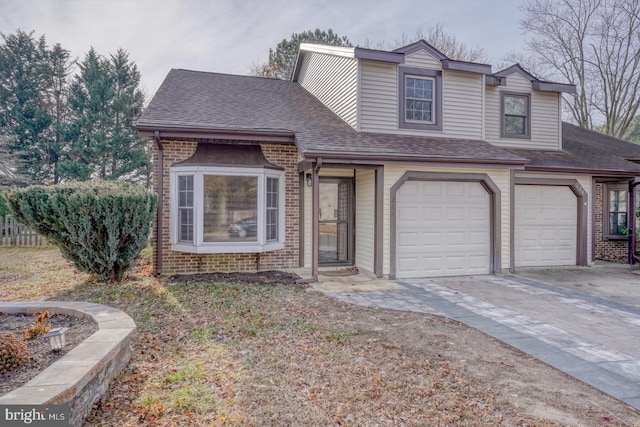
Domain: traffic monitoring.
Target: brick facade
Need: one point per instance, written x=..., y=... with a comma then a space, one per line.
x=605, y=249
x=282, y=155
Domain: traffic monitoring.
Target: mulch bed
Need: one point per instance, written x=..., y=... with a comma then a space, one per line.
x=259, y=278
x=80, y=328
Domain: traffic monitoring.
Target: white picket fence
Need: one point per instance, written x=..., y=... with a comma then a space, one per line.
x=12, y=233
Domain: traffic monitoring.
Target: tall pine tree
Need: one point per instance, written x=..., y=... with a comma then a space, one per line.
x=104, y=102
x=25, y=117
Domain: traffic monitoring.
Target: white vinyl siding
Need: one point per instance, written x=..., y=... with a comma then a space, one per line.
x=334, y=81
x=379, y=97
x=365, y=215
x=545, y=116
x=422, y=59
x=461, y=103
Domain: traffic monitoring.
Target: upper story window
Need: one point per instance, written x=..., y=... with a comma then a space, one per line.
x=218, y=208
x=516, y=117
x=420, y=97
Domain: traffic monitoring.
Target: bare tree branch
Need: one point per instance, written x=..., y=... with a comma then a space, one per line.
x=594, y=44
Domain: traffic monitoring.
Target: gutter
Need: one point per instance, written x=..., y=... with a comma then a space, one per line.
x=586, y=171
x=266, y=135
x=160, y=190
x=364, y=158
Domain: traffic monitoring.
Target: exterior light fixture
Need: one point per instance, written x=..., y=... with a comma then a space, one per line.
x=309, y=179
x=57, y=338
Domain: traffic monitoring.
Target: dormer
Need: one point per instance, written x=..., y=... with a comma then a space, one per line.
x=414, y=90
x=523, y=111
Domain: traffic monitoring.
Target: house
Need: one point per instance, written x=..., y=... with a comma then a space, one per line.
x=404, y=164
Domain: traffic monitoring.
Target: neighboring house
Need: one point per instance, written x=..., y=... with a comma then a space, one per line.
x=403, y=164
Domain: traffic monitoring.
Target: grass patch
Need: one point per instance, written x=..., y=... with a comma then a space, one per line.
x=226, y=353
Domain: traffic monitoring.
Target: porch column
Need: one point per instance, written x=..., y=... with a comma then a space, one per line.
x=315, y=219
x=378, y=222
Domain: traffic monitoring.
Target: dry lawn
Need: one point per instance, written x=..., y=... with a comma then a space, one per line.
x=261, y=355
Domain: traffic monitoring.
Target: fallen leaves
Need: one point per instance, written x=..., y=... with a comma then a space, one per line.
x=213, y=353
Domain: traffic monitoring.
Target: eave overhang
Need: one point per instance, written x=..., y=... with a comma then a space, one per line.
x=183, y=132
x=467, y=67
x=382, y=158
x=553, y=87
x=586, y=171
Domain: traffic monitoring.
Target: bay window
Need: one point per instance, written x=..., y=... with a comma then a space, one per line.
x=223, y=209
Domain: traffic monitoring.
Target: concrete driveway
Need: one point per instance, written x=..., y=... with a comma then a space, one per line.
x=584, y=321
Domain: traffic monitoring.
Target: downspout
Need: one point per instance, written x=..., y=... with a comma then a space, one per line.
x=160, y=190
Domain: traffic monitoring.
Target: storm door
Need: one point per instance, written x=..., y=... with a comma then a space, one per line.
x=336, y=221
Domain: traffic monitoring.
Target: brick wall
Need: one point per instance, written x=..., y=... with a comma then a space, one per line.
x=282, y=155
x=606, y=250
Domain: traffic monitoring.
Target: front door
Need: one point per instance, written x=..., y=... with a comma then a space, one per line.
x=336, y=213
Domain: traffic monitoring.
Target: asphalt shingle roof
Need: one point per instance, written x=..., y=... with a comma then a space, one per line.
x=586, y=150
x=212, y=101
x=203, y=101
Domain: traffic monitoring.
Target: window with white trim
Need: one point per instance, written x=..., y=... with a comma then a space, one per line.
x=420, y=99
x=226, y=210
x=516, y=115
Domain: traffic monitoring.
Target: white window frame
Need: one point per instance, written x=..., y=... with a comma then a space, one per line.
x=432, y=100
x=199, y=246
x=436, y=99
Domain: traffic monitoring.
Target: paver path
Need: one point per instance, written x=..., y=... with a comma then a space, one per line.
x=591, y=338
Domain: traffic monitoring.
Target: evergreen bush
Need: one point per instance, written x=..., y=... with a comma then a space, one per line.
x=4, y=206
x=100, y=226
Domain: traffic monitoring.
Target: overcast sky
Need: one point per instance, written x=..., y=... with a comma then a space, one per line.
x=229, y=36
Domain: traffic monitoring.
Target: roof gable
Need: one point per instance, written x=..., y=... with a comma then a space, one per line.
x=536, y=83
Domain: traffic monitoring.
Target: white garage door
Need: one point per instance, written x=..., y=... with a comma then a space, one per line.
x=442, y=229
x=545, y=226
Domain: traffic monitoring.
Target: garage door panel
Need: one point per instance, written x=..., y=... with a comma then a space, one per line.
x=456, y=214
x=408, y=240
x=433, y=239
x=408, y=189
x=545, y=226
x=455, y=189
x=452, y=229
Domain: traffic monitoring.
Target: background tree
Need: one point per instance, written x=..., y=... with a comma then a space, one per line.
x=10, y=165
x=25, y=117
x=437, y=37
x=594, y=44
x=282, y=60
x=104, y=102
x=56, y=128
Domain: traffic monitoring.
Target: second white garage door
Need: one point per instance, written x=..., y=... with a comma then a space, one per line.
x=545, y=226
x=442, y=229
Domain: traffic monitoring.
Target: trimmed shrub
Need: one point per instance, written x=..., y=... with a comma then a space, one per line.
x=100, y=226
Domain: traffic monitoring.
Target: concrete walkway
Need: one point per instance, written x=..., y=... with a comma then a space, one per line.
x=589, y=336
